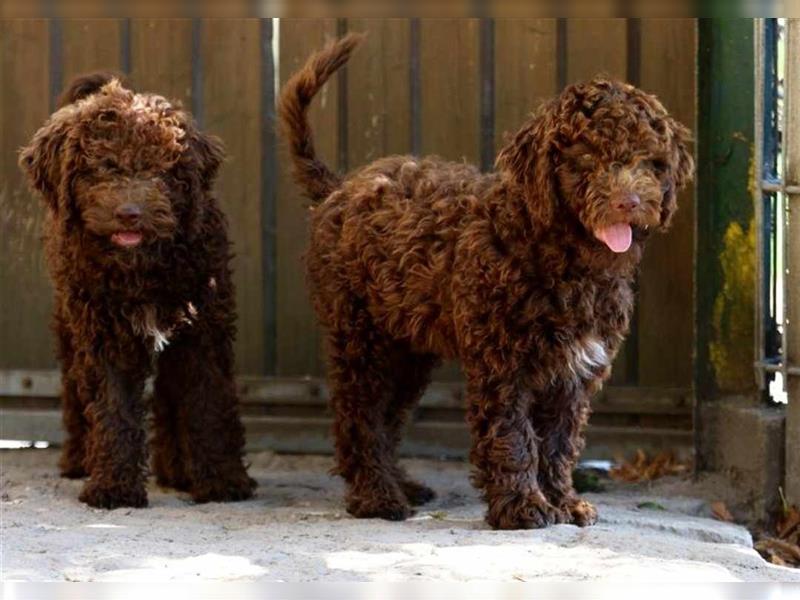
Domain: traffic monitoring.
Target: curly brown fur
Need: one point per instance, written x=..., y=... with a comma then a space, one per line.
x=412, y=260
x=138, y=251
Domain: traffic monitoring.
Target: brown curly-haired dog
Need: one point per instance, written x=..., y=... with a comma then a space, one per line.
x=138, y=251
x=523, y=274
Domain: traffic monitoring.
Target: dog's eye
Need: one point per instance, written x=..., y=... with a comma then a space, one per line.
x=109, y=164
x=659, y=166
x=108, y=116
x=586, y=160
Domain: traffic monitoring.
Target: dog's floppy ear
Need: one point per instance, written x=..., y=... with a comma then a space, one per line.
x=42, y=159
x=528, y=157
x=209, y=152
x=87, y=84
x=681, y=170
x=200, y=167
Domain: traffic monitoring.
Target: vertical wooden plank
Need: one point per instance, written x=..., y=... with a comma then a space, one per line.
x=25, y=292
x=379, y=116
x=450, y=88
x=596, y=46
x=415, y=85
x=232, y=109
x=666, y=283
x=90, y=44
x=792, y=149
x=269, y=192
x=525, y=71
x=298, y=337
x=161, y=57
x=486, y=68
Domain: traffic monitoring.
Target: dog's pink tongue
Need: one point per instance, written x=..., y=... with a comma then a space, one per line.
x=617, y=237
x=127, y=239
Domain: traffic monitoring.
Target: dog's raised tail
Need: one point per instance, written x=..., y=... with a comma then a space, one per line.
x=309, y=172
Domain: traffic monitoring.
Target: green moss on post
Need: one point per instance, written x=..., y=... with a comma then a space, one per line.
x=725, y=264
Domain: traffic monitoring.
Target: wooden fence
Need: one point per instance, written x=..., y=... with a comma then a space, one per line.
x=447, y=86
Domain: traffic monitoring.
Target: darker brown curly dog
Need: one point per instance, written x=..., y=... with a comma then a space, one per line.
x=523, y=274
x=138, y=251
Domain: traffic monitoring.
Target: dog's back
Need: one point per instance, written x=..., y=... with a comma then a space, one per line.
x=390, y=235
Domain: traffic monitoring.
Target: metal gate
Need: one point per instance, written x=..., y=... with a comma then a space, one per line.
x=777, y=202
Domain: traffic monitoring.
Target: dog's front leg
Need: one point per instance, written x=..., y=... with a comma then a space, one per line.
x=504, y=454
x=559, y=419
x=115, y=448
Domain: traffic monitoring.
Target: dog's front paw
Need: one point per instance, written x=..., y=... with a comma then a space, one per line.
x=234, y=489
x=521, y=511
x=416, y=493
x=390, y=509
x=581, y=512
x=100, y=496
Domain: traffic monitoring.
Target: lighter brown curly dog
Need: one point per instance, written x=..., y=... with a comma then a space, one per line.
x=524, y=274
x=138, y=251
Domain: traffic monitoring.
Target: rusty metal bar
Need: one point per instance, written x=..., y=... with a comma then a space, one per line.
x=772, y=367
x=773, y=186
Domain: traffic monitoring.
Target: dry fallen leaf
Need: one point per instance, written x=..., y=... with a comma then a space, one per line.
x=642, y=468
x=720, y=512
x=788, y=524
x=783, y=549
x=777, y=560
x=777, y=550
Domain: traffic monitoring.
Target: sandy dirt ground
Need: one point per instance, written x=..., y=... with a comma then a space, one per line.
x=296, y=529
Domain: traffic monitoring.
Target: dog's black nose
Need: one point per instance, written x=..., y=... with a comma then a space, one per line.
x=128, y=213
x=627, y=202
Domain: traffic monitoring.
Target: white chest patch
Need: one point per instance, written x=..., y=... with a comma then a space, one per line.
x=586, y=356
x=160, y=339
x=145, y=324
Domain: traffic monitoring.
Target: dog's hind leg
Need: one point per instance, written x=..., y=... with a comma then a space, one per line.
x=361, y=375
x=72, y=463
x=412, y=374
x=168, y=461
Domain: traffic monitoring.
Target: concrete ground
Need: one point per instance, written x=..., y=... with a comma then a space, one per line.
x=296, y=529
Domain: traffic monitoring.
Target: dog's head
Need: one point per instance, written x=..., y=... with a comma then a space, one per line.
x=123, y=168
x=606, y=152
